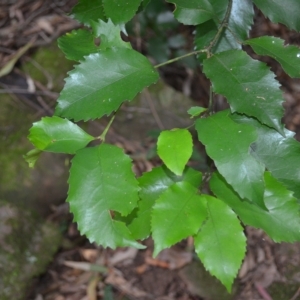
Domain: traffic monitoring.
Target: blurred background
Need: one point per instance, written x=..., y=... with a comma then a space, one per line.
x=42, y=255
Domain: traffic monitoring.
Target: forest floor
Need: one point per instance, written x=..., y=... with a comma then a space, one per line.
x=83, y=271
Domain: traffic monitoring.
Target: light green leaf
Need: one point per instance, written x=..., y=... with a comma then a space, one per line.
x=228, y=144
x=152, y=185
x=177, y=214
x=86, y=11
x=282, y=220
x=221, y=244
x=109, y=34
x=278, y=11
x=280, y=155
x=76, y=44
x=55, y=134
x=101, y=179
x=175, y=148
x=248, y=85
x=195, y=12
x=32, y=156
x=195, y=111
x=120, y=11
x=102, y=82
x=239, y=25
x=287, y=56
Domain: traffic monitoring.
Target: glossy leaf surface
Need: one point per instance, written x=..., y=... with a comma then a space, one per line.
x=221, y=244
x=74, y=50
x=101, y=180
x=228, y=144
x=280, y=155
x=287, y=55
x=86, y=11
x=152, y=185
x=102, y=82
x=248, y=85
x=120, y=11
x=55, y=134
x=177, y=214
x=110, y=35
x=281, y=221
x=175, y=148
x=278, y=11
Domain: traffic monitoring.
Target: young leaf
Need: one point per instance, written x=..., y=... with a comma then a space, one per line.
x=120, y=11
x=175, y=148
x=101, y=180
x=221, y=244
x=100, y=83
x=86, y=11
x=239, y=25
x=280, y=155
x=287, y=56
x=177, y=214
x=73, y=50
x=55, y=134
x=32, y=156
x=248, y=85
x=282, y=220
x=109, y=34
x=152, y=185
x=228, y=144
x=278, y=11
x=195, y=111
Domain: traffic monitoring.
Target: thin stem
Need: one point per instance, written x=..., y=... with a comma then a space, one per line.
x=179, y=58
x=103, y=134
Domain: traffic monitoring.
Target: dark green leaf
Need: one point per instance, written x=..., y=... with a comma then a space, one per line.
x=177, y=214
x=109, y=34
x=88, y=10
x=221, y=244
x=248, y=85
x=101, y=179
x=282, y=220
x=153, y=184
x=175, y=148
x=195, y=12
x=279, y=11
x=120, y=11
x=280, y=155
x=58, y=135
x=228, y=144
x=287, y=56
x=76, y=44
x=102, y=82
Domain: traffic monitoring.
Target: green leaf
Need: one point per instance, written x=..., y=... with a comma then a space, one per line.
x=177, y=214
x=195, y=12
x=221, y=244
x=32, y=156
x=86, y=11
x=120, y=11
x=239, y=25
x=175, y=148
x=282, y=220
x=248, y=85
x=280, y=155
x=228, y=144
x=287, y=56
x=109, y=34
x=55, y=134
x=102, y=82
x=101, y=179
x=77, y=44
x=278, y=11
x=152, y=185
x=195, y=111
